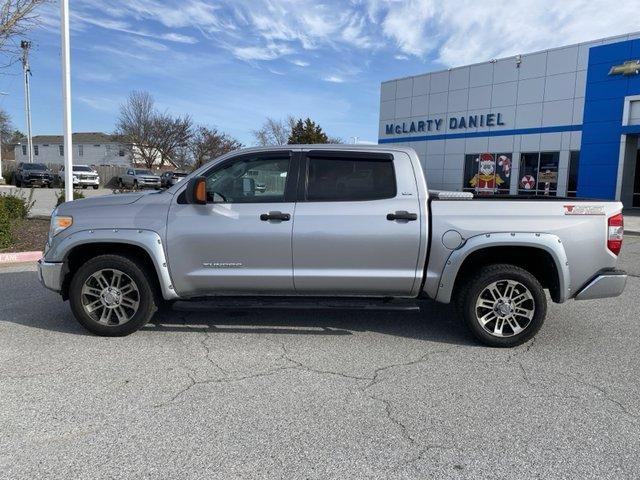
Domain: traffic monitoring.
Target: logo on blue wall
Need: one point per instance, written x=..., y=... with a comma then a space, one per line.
x=455, y=123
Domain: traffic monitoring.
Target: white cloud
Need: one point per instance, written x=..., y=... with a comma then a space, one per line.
x=452, y=33
x=333, y=79
x=468, y=31
x=178, y=38
x=300, y=63
x=269, y=52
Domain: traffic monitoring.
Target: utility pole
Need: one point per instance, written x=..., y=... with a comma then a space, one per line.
x=66, y=100
x=26, y=45
x=2, y=182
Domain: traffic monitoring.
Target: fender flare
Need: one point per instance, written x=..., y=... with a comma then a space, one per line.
x=148, y=240
x=543, y=241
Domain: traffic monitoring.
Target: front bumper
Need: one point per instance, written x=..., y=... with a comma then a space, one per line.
x=38, y=181
x=87, y=181
x=50, y=275
x=607, y=283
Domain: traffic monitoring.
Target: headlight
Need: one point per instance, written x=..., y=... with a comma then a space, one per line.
x=58, y=224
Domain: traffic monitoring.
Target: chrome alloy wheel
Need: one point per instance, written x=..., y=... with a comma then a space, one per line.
x=505, y=308
x=110, y=297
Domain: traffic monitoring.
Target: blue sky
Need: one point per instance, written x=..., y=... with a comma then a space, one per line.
x=230, y=64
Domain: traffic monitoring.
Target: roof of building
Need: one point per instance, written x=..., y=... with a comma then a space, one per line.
x=80, y=137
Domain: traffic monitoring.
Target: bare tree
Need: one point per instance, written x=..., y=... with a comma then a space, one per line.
x=150, y=136
x=209, y=143
x=16, y=17
x=171, y=134
x=274, y=132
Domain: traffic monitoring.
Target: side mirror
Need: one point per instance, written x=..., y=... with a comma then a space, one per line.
x=196, y=191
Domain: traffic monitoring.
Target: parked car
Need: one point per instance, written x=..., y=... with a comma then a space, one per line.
x=169, y=179
x=353, y=224
x=139, y=178
x=30, y=174
x=83, y=176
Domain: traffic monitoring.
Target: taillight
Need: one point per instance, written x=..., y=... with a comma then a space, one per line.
x=615, y=233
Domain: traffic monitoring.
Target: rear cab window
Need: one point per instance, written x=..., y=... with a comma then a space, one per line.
x=352, y=177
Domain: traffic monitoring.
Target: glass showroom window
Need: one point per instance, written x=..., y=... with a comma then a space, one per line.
x=539, y=173
x=572, y=182
x=487, y=173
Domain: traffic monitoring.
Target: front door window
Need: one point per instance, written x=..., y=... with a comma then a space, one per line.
x=253, y=180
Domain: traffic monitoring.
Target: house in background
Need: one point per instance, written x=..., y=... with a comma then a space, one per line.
x=89, y=148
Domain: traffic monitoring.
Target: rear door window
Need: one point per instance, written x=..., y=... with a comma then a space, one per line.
x=334, y=179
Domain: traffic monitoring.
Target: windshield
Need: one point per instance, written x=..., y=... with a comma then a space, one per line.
x=34, y=166
x=143, y=172
x=81, y=168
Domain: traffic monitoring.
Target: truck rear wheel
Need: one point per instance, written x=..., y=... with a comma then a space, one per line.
x=503, y=305
x=112, y=295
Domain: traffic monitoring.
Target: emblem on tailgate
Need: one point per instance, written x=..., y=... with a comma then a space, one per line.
x=584, y=210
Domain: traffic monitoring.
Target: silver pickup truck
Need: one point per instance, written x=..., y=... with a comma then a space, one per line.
x=353, y=224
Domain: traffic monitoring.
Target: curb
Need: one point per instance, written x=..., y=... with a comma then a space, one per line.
x=19, y=257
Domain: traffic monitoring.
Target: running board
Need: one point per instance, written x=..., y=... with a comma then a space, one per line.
x=319, y=303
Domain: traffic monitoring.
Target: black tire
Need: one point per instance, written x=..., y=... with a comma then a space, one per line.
x=137, y=272
x=135, y=185
x=95, y=187
x=473, y=286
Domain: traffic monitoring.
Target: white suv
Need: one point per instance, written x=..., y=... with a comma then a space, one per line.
x=83, y=176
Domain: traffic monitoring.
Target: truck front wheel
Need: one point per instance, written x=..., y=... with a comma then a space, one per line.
x=503, y=305
x=112, y=295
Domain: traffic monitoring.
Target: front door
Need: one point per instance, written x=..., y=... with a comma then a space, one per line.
x=357, y=225
x=240, y=241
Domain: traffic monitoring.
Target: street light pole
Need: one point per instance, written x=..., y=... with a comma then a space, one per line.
x=66, y=99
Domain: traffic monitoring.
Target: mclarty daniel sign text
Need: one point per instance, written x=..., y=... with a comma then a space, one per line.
x=437, y=124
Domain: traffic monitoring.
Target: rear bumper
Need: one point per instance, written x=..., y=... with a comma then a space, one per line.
x=608, y=283
x=50, y=275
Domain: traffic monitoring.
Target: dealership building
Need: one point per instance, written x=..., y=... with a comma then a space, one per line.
x=563, y=121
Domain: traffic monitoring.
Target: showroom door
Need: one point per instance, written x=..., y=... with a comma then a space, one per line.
x=636, y=183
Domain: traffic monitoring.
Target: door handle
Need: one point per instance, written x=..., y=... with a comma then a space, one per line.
x=402, y=215
x=284, y=217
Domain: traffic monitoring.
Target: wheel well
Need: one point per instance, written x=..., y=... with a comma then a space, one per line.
x=536, y=261
x=82, y=253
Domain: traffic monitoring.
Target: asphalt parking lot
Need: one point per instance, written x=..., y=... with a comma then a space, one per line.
x=318, y=394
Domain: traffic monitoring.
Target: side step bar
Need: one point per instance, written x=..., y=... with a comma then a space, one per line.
x=320, y=303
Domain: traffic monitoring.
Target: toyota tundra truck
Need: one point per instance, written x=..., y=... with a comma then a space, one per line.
x=352, y=225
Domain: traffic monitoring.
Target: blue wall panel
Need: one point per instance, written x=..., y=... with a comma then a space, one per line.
x=602, y=120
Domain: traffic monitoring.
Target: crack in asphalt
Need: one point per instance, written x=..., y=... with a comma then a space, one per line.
x=285, y=355
x=603, y=391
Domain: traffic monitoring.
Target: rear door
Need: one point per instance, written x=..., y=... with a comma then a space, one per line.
x=240, y=241
x=357, y=224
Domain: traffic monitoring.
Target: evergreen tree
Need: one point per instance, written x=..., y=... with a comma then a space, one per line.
x=307, y=132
